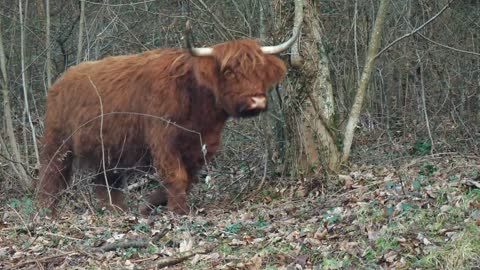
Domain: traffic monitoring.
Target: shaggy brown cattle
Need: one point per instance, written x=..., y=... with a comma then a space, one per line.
x=165, y=108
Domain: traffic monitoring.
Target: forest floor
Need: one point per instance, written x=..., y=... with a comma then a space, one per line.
x=424, y=214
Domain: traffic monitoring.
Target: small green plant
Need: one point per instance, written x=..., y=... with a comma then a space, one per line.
x=261, y=222
x=101, y=211
x=422, y=147
x=152, y=249
x=474, y=173
x=408, y=206
x=271, y=195
x=419, y=182
x=332, y=216
x=129, y=253
x=370, y=254
x=26, y=244
x=331, y=263
x=385, y=244
x=234, y=228
x=453, y=178
x=428, y=170
x=24, y=206
x=416, y=185
x=225, y=249
x=390, y=210
x=141, y=227
x=107, y=234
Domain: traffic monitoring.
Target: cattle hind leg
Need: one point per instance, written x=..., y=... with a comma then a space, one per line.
x=115, y=193
x=55, y=176
x=156, y=198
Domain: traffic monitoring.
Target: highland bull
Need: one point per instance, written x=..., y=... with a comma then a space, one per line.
x=164, y=107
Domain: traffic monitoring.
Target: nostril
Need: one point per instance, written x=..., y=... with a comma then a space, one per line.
x=258, y=102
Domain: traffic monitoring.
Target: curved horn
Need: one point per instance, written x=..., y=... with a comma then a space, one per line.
x=281, y=47
x=207, y=51
x=195, y=51
x=296, y=32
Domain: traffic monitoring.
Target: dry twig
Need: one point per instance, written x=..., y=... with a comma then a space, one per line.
x=44, y=259
x=182, y=256
x=143, y=243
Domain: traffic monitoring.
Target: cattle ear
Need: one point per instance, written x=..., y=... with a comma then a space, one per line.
x=275, y=70
x=205, y=70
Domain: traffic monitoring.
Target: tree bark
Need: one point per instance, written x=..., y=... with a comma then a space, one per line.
x=275, y=121
x=48, y=44
x=25, y=85
x=366, y=74
x=81, y=25
x=15, y=152
x=295, y=57
x=268, y=132
x=315, y=144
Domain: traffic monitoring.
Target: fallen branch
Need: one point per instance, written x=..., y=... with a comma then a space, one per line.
x=182, y=256
x=138, y=184
x=124, y=245
x=471, y=183
x=143, y=243
x=45, y=259
x=31, y=231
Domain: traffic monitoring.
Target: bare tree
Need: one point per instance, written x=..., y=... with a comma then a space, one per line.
x=373, y=48
x=316, y=141
x=47, y=43
x=16, y=162
x=25, y=84
x=319, y=110
x=81, y=26
x=310, y=113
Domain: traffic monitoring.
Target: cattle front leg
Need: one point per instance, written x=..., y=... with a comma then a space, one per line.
x=159, y=197
x=54, y=176
x=175, y=181
x=176, y=186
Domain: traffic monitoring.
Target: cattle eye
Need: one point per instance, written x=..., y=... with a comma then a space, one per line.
x=228, y=73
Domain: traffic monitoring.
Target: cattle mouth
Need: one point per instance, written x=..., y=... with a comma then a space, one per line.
x=252, y=106
x=251, y=113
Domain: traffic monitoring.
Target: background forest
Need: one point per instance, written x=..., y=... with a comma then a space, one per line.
x=287, y=189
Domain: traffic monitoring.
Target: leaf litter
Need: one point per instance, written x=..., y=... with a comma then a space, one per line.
x=422, y=215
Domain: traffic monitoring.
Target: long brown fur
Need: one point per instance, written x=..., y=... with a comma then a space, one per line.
x=159, y=107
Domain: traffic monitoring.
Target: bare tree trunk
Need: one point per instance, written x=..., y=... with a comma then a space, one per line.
x=275, y=121
x=322, y=64
x=316, y=144
x=15, y=152
x=478, y=102
x=268, y=132
x=295, y=57
x=47, y=44
x=80, y=31
x=367, y=71
x=24, y=79
x=424, y=103
x=40, y=9
x=322, y=95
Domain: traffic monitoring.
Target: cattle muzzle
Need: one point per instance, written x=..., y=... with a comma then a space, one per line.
x=252, y=106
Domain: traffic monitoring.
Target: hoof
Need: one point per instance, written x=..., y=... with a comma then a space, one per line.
x=146, y=210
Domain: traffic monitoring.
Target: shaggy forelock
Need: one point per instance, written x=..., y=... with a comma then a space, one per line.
x=243, y=54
